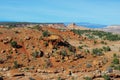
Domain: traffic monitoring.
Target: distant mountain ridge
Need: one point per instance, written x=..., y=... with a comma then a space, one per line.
x=85, y=24
x=66, y=25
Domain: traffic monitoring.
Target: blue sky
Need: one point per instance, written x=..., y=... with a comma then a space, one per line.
x=94, y=11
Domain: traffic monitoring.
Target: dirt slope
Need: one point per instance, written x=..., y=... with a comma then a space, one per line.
x=48, y=53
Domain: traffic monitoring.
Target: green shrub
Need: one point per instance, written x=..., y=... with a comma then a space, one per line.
x=16, y=65
x=63, y=53
x=86, y=51
x=37, y=54
x=16, y=32
x=71, y=48
x=95, y=42
x=46, y=34
x=1, y=61
x=112, y=65
x=59, y=78
x=80, y=47
x=30, y=78
x=102, y=42
x=14, y=44
x=91, y=37
x=117, y=67
x=116, y=61
x=106, y=48
x=87, y=78
x=106, y=77
x=97, y=52
x=115, y=55
x=46, y=44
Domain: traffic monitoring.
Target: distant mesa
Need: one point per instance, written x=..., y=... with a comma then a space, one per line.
x=112, y=28
x=56, y=25
x=74, y=26
x=53, y=25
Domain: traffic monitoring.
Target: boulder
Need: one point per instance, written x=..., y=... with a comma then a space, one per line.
x=14, y=73
x=27, y=38
x=3, y=51
x=6, y=40
x=1, y=78
x=91, y=75
x=5, y=69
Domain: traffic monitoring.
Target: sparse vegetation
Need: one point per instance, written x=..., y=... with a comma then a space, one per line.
x=37, y=27
x=103, y=42
x=115, y=59
x=101, y=34
x=115, y=63
x=97, y=52
x=47, y=63
x=37, y=54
